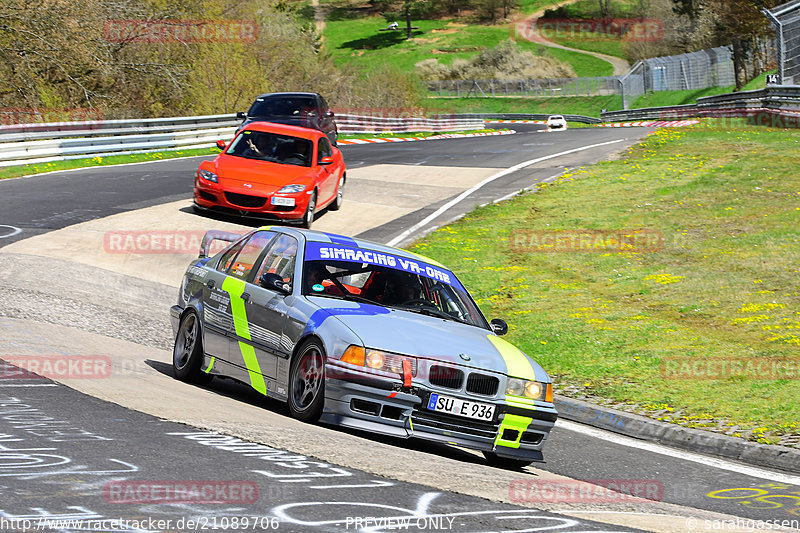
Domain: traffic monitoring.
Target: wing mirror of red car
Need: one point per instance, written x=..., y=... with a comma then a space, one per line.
x=325, y=160
x=221, y=144
x=499, y=326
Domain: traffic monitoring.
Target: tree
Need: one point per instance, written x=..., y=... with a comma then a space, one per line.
x=738, y=23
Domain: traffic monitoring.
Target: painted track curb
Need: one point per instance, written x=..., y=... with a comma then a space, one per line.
x=675, y=436
x=379, y=140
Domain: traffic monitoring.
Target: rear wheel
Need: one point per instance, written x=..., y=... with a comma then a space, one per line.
x=308, y=216
x=337, y=203
x=307, y=382
x=501, y=462
x=187, y=355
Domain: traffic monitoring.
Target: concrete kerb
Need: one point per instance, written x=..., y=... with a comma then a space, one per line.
x=673, y=435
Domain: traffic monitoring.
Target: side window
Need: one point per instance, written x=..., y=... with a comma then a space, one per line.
x=280, y=259
x=239, y=261
x=324, y=148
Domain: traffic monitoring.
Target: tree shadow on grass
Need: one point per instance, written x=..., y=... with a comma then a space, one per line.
x=383, y=39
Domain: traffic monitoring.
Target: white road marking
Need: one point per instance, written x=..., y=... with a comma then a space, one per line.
x=706, y=460
x=28, y=385
x=14, y=231
x=490, y=179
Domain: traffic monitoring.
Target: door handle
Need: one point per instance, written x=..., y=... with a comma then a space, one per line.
x=211, y=284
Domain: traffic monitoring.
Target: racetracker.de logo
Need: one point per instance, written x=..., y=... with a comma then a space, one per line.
x=55, y=367
x=177, y=491
x=180, y=31
x=641, y=240
x=586, y=491
x=632, y=30
x=724, y=368
x=157, y=242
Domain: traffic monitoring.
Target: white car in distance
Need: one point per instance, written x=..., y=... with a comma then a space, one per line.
x=556, y=122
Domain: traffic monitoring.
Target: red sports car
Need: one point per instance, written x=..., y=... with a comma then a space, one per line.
x=273, y=171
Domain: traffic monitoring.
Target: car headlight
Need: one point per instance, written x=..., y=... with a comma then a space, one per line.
x=293, y=188
x=378, y=360
x=208, y=175
x=534, y=390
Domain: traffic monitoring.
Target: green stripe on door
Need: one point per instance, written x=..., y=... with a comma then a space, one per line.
x=235, y=287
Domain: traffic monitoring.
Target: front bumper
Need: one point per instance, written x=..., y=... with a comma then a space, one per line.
x=364, y=401
x=254, y=204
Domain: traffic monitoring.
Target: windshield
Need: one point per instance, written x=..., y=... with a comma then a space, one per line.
x=272, y=147
x=389, y=281
x=282, y=106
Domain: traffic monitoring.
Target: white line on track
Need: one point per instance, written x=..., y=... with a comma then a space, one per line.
x=486, y=181
x=28, y=385
x=13, y=231
x=721, y=464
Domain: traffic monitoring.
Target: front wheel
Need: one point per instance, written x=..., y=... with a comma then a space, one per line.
x=502, y=462
x=337, y=203
x=187, y=355
x=307, y=382
x=308, y=216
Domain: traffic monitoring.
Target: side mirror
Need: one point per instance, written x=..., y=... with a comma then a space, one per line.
x=221, y=144
x=499, y=326
x=241, y=115
x=272, y=281
x=325, y=160
x=329, y=114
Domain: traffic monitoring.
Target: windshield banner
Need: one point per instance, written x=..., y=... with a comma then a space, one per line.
x=320, y=251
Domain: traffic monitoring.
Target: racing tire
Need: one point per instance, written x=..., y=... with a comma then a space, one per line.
x=337, y=203
x=502, y=462
x=308, y=216
x=307, y=382
x=187, y=355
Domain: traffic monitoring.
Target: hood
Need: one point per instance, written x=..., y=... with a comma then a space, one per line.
x=410, y=333
x=236, y=171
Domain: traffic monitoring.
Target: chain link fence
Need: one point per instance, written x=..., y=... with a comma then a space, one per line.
x=786, y=20
x=696, y=70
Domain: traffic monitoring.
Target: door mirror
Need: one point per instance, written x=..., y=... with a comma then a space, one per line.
x=221, y=144
x=241, y=115
x=272, y=281
x=499, y=326
x=325, y=160
x=329, y=114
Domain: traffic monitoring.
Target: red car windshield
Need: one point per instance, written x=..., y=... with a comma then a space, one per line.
x=272, y=147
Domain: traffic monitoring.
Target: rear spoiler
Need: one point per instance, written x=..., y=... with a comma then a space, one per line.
x=216, y=235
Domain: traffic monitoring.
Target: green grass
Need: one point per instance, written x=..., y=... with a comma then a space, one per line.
x=359, y=42
x=26, y=170
x=575, y=105
x=724, y=285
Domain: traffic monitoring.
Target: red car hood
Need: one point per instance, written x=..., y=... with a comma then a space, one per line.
x=264, y=176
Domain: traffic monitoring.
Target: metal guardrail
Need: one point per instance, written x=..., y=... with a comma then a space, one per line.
x=782, y=100
x=42, y=143
x=488, y=117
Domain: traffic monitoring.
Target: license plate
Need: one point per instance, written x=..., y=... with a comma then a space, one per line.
x=277, y=200
x=458, y=407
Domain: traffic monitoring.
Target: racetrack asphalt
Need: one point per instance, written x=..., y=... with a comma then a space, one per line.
x=68, y=201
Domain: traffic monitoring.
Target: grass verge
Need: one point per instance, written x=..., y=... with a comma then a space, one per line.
x=388, y=135
x=723, y=286
x=54, y=166
x=573, y=105
x=360, y=41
